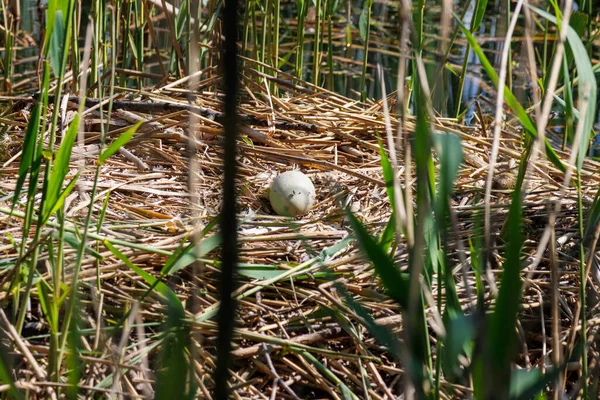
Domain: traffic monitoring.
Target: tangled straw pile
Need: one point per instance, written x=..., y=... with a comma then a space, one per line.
x=293, y=324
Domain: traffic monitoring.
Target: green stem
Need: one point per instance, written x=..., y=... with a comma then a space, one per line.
x=276, y=23
x=363, y=79
x=330, y=51
x=582, y=296
x=317, y=45
x=51, y=140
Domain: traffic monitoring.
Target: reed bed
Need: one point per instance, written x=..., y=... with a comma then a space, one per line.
x=295, y=335
x=444, y=257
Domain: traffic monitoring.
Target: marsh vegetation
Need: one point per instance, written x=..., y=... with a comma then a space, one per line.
x=451, y=249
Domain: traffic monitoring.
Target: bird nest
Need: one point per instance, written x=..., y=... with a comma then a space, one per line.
x=164, y=189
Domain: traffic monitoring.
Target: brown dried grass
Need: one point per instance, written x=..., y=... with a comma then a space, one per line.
x=334, y=141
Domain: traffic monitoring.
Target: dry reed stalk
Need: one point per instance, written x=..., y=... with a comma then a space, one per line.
x=340, y=153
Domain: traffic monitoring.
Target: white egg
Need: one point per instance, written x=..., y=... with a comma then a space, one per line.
x=292, y=193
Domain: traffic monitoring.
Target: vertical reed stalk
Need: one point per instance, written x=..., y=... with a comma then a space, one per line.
x=75, y=46
x=302, y=11
x=98, y=18
x=509, y=76
x=8, y=47
x=263, y=41
x=254, y=31
x=480, y=7
x=246, y=28
x=317, y=44
x=50, y=151
x=275, y=43
x=366, y=35
x=330, y=45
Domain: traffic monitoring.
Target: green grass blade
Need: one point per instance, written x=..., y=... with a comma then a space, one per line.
x=49, y=310
x=363, y=22
x=588, y=86
x=593, y=218
x=54, y=6
x=31, y=156
x=476, y=251
x=60, y=169
x=365, y=32
x=323, y=256
x=381, y=333
x=173, y=258
x=502, y=338
x=57, y=43
x=480, y=8
x=527, y=384
x=510, y=98
x=189, y=255
x=38, y=154
x=569, y=105
x=74, y=242
x=389, y=232
x=61, y=198
x=165, y=291
x=330, y=251
x=460, y=332
x=395, y=282
x=345, y=390
x=388, y=174
x=449, y=150
x=174, y=368
x=119, y=142
x=29, y=150
x=175, y=262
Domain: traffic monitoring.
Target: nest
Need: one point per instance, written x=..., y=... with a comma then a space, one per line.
x=164, y=188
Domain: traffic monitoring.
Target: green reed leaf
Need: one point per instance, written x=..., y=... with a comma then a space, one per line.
x=119, y=142
x=510, y=98
x=588, y=86
x=160, y=287
x=395, y=282
x=57, y=43
x=60, y=170
x=29, y=150
x=480, y=8
x=502, y=338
